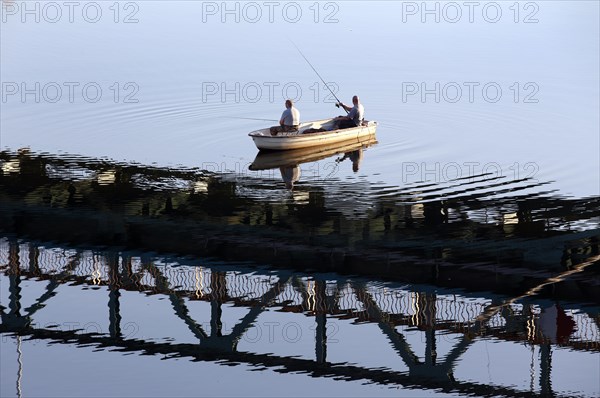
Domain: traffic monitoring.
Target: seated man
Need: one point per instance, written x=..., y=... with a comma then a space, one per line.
x=290, y=119
x=355, y=115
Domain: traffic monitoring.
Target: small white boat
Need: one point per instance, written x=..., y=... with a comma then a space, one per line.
x=303, y=138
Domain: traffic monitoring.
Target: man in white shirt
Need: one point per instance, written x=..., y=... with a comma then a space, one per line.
x=355, y=114
x=290, y=119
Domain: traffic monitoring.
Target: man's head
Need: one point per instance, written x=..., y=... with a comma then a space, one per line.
x=355, y=100
x=288, y=103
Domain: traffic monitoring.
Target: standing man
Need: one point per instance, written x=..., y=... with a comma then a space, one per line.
x=290, y=119
x=355, y=114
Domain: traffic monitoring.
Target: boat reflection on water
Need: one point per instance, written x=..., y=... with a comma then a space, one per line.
x=355, y=157
x=288, y=162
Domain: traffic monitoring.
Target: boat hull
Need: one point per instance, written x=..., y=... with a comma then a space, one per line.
x=296, y=140
x=266, y=160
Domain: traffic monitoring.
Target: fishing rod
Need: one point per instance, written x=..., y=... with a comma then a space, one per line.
x=313, y=68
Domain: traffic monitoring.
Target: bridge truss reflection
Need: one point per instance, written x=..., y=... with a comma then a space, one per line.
x=395, y=310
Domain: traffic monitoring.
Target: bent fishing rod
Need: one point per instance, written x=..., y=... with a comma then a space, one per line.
x=313, y=68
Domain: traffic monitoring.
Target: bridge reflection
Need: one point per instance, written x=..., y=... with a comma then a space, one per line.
x=487, y=232
x=395, y=310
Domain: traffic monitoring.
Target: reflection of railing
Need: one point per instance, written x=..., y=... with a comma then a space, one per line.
x=397, y=305
x=64, y=181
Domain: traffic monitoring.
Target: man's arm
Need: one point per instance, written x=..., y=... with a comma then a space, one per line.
x=346, y=107
x=281, y=121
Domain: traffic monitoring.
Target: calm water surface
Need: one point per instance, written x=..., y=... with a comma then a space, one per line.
x=191, y=82
x=486, y=163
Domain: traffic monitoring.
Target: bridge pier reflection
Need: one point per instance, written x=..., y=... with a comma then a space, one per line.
x=321, y=322
x=545, y=370
x=114, y=294
x=218, y=286
x=14, y=317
